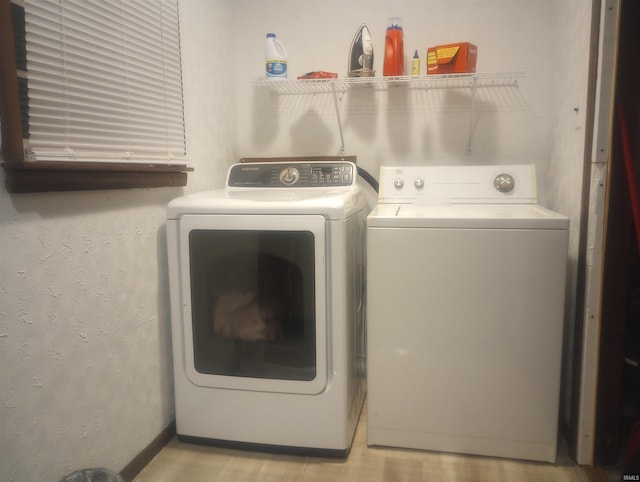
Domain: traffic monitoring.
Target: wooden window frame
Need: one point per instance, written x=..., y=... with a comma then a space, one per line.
x=22, y=176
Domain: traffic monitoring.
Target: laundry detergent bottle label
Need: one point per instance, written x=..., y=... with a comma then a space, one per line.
x=276, y=58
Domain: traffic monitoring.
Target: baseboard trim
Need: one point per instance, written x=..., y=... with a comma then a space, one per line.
x=268, y=448
x=141, y=460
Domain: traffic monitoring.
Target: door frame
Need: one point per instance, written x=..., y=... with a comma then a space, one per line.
x=595, y=201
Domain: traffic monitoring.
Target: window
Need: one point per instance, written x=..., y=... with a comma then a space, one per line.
x=91, y=95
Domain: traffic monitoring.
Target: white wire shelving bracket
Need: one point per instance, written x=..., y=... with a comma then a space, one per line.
x=424, y=82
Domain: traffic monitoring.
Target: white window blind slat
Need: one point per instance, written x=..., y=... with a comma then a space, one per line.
x=108, y=131
x=89, y=141
x=99, y=124
x=73, y=92
x=102, y=19
x=82, y=41
x=88, y=77
x=154, y=64
x=104, y=80
x=86, y=144
x=51, y=107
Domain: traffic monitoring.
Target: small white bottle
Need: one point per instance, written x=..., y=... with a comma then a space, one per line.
x=276, y=58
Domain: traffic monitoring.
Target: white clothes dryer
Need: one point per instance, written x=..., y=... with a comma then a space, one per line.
x=466, y=286
x=267, y=306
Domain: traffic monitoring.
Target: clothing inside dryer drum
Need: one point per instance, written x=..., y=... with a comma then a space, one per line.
x=253, y=303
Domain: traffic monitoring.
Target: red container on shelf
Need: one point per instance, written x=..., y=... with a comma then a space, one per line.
x=458, y=58
x=394, y=49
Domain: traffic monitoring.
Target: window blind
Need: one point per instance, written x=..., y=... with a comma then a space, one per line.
x=104, y=81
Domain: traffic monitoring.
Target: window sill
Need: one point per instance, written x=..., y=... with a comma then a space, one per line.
x=31, y=177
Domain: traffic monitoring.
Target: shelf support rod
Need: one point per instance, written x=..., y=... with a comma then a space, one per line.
x=474, y=86
x=337, y=107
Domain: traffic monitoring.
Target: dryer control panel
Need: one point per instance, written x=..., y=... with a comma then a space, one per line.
x=279, y=175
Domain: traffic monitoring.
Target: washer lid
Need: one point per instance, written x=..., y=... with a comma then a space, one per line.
x=466, y=216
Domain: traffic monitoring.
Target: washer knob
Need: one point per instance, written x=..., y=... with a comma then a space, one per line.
x=398, y=184
x=504, y=182
x=418, y=183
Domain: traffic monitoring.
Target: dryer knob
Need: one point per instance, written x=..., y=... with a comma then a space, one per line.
x=289, y=175
x=398, y=184
x=419, y=183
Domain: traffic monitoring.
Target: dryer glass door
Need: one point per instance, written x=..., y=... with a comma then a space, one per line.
x=254, y=301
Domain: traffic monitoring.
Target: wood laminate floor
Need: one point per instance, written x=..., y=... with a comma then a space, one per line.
x=181, y=462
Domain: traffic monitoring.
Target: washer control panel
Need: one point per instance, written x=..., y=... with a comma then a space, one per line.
x=303, y=174
x=458, y=184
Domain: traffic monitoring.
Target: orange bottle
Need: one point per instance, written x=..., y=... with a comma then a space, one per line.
x=394, y=48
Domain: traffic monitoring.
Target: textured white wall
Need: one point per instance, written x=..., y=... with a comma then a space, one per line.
x=86, y=376
x=84, y=334
x=208, y=60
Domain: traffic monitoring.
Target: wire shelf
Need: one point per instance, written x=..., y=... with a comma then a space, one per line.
x=421, y=82
x=441, y=81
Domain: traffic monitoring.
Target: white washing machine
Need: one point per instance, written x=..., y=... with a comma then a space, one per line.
x=466, y=286
x=267, y=306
